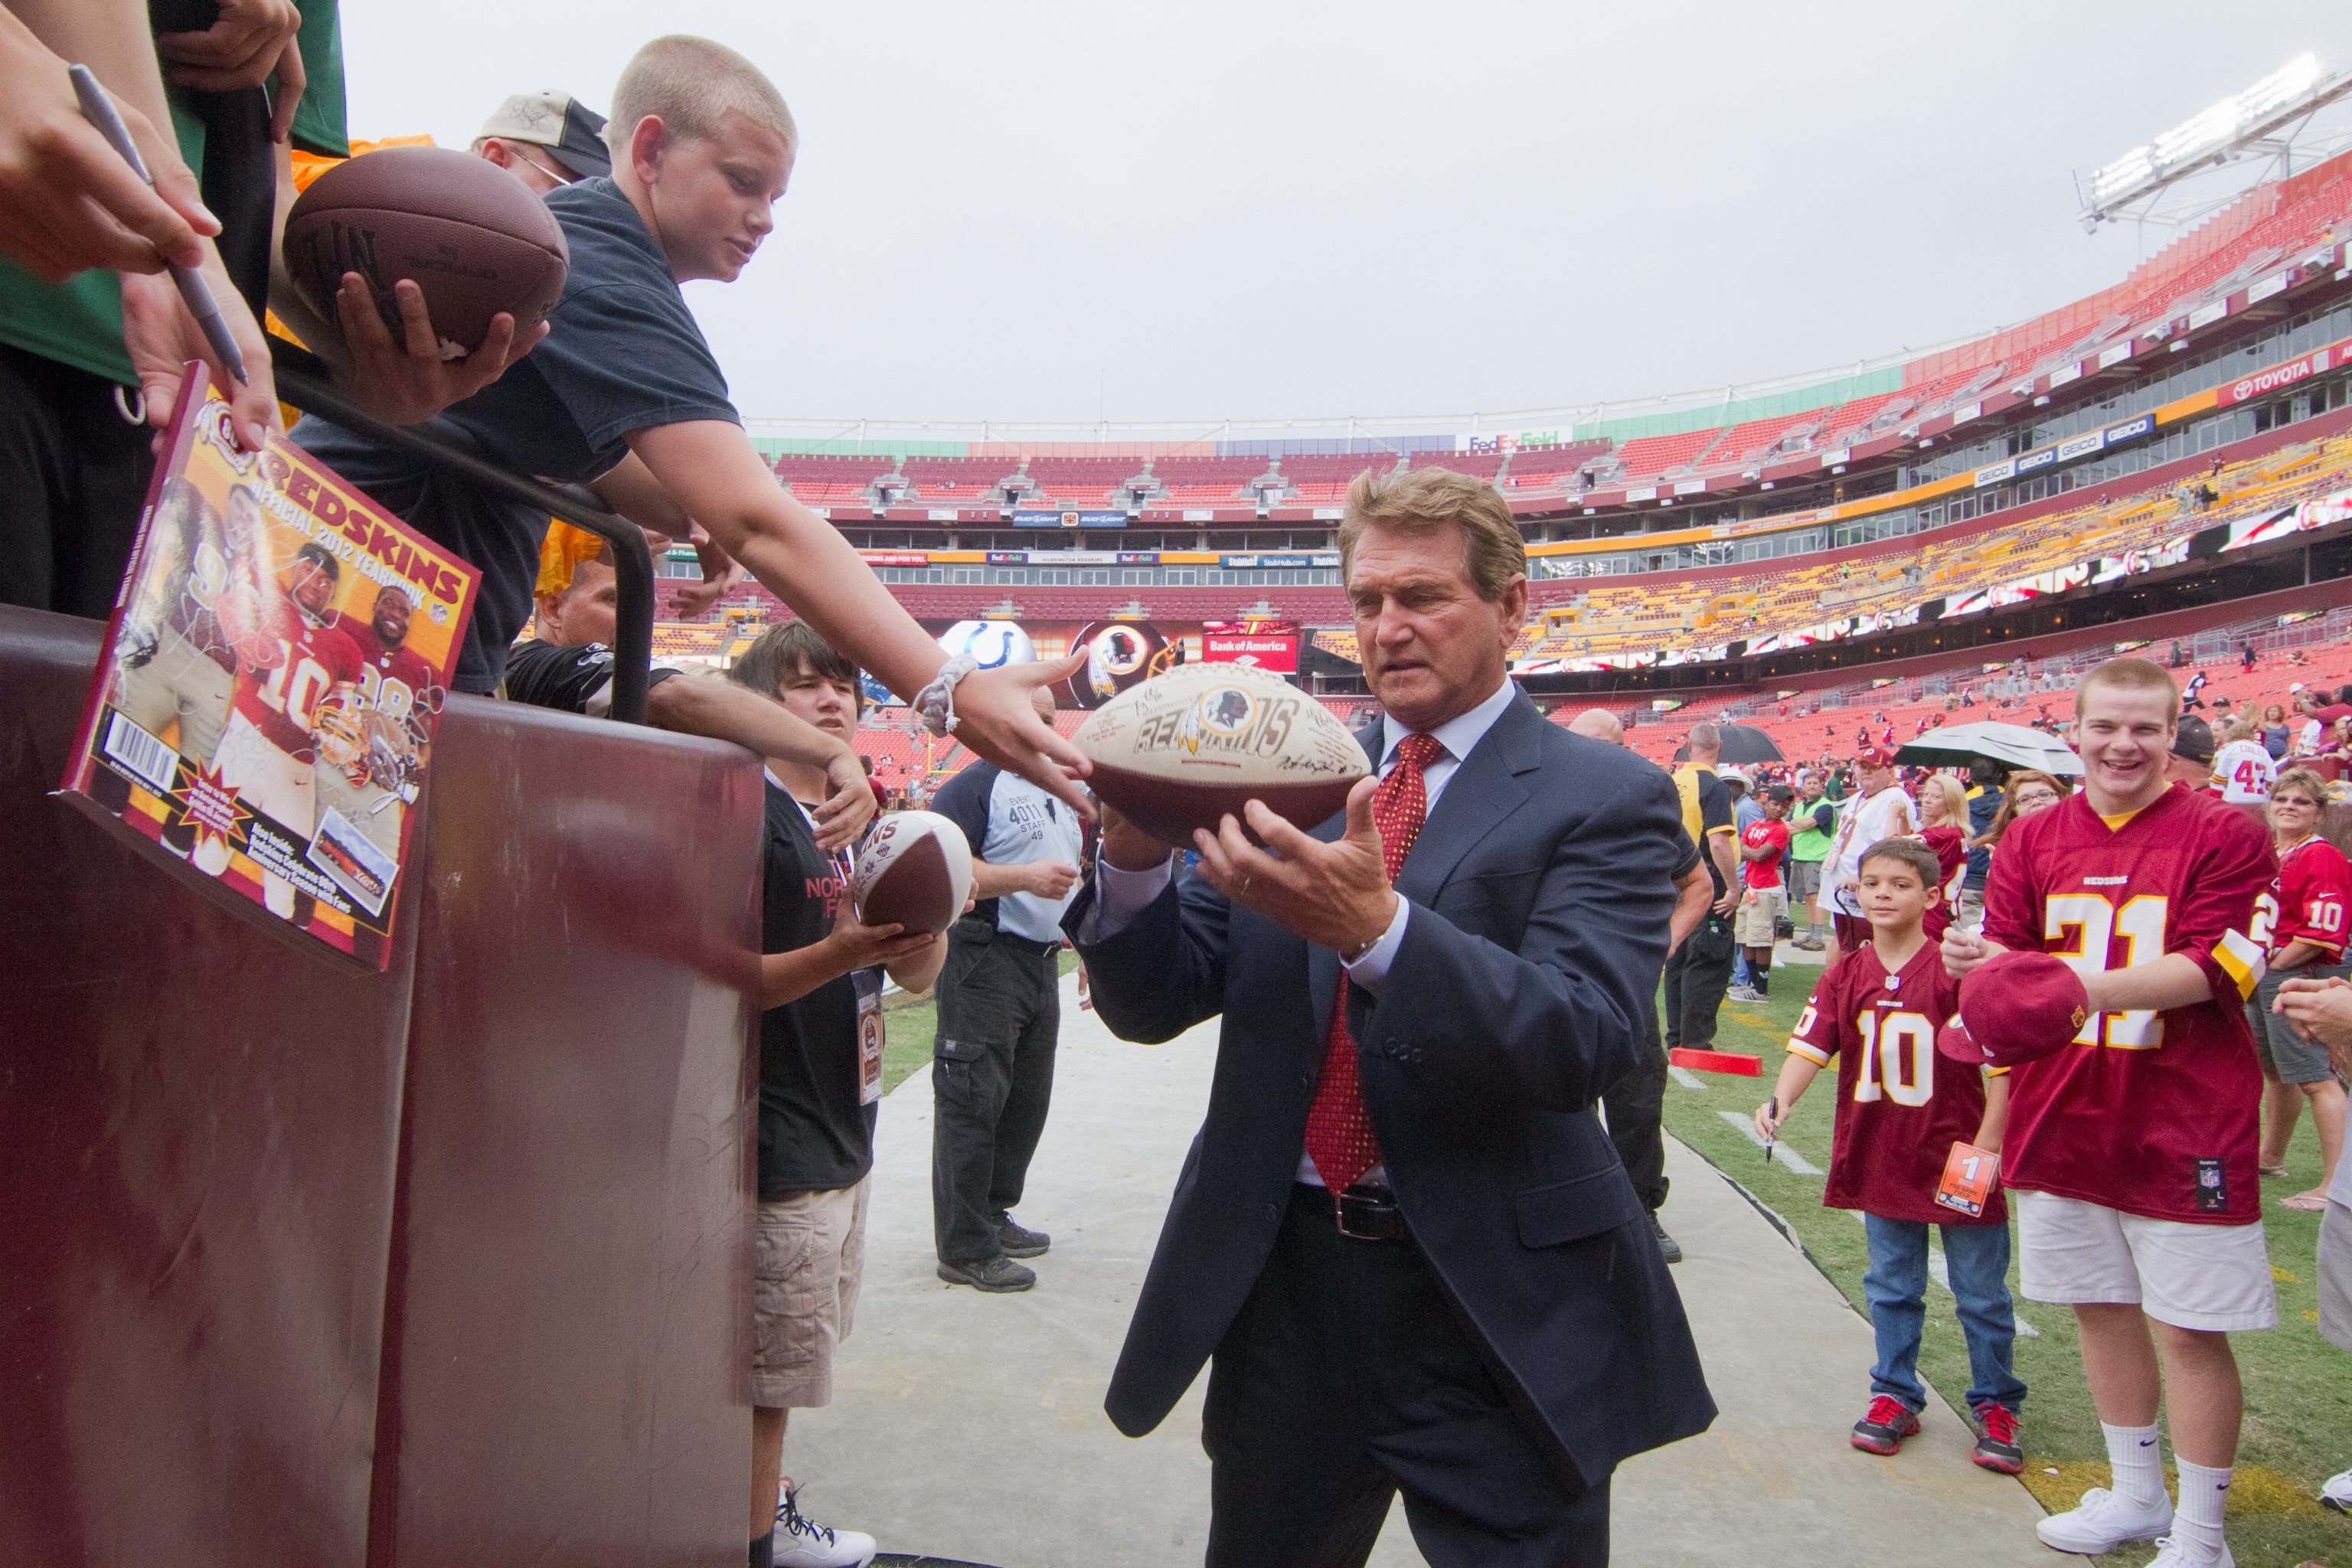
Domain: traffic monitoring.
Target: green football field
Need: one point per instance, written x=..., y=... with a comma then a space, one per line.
x=2298, y=1426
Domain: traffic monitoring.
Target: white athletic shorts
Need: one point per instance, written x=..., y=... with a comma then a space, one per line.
x=266, y=779
x=2215, y=1278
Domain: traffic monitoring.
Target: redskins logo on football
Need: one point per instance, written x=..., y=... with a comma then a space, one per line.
x=1222, y=713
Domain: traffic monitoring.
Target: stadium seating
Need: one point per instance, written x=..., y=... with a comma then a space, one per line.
x=1552, y=467
x=2266, y=227
x=1324, y=477
x=968, y=480
x=1653, y=456
x=1088, y=482
x=1483, y=465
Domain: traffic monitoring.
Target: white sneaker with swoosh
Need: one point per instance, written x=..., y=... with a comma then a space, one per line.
x=2103, y=1521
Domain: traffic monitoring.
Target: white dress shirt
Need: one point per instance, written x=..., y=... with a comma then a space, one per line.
x=1120, y=896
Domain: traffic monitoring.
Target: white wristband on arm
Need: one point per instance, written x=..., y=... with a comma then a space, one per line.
x=933, y=708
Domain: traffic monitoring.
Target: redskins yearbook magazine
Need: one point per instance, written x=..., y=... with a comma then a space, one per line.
x=263, y=714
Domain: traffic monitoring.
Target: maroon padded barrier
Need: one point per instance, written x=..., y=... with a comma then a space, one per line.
x=567, y=1350
x=196, y=1140
x=294, y=1272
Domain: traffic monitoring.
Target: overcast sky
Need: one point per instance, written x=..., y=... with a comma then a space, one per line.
x=1018, y=210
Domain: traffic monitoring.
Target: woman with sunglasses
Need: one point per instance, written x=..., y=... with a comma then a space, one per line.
x=2314, y=894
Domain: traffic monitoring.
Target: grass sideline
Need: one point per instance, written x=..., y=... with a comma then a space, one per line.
x=909, y=1024
x=2298, y=1428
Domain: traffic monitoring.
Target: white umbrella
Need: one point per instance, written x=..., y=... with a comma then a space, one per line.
x=2019, y=745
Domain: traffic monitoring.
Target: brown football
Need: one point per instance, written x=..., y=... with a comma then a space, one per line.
x=915, y=870
x=1183, y=749
x=475, y=239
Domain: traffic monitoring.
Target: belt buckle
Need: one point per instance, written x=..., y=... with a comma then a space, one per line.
x=1370, y=1209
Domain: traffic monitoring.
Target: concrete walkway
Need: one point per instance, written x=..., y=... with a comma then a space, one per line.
x=970, y=1427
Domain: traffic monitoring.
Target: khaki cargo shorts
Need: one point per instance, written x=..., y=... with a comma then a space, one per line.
x=812, y=1255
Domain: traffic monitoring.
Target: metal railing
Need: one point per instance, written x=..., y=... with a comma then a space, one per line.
x=303, y=381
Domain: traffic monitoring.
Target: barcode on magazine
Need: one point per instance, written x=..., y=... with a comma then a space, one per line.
x=155, y=762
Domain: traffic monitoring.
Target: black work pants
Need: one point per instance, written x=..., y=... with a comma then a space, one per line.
x=1696, y=977
x=992, y=1080
x=1348, y=1376
x=74, y=473
x=1634, y=1105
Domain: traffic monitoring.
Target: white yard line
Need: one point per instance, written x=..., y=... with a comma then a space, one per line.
x=1684, y=1077
x=1782, y=1154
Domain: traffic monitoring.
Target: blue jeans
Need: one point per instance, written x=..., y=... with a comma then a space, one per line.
x=1739, y=967
x=1976, y=1259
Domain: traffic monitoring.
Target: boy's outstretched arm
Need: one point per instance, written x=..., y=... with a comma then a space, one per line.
x=717, y=708
x=709, y=468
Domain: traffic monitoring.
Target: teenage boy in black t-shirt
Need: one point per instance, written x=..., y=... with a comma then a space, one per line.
x=820, y=1088
x=623, y=394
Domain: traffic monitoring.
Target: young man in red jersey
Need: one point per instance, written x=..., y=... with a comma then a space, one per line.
x=2133, y=1149
x=1877, y=1011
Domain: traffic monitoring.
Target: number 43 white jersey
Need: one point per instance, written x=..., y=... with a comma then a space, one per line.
x=2243, y=773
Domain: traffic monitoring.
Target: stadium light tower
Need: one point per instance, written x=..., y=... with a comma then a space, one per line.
x=2244, y=123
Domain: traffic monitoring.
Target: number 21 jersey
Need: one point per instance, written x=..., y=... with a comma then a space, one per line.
x=1900, y=1107
x=2151, y=1113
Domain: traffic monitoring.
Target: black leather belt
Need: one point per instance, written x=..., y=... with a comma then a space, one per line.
x=1029, y=944
x=978, y=930
x=1361, y=1214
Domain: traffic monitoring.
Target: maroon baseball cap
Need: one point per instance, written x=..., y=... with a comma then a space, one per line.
x=1874, y=757
x=2016, y=1007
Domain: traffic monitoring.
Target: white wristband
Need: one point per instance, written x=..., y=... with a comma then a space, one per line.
x=934, y=706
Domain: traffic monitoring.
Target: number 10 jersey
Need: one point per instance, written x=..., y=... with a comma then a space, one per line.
x=1900, y=1107
x=2151, y=1113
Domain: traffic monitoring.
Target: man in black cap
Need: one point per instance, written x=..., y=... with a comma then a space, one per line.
x=545, y=140
x=2191, y=760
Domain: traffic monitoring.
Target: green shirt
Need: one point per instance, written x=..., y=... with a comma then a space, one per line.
x=80, y=322
x=1813, y=842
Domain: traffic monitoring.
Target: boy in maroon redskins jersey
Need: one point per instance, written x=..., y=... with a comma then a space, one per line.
x=1877, y=1011
x=2133, y=1148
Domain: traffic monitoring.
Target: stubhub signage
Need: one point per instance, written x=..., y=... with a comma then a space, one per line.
x=1330, y=559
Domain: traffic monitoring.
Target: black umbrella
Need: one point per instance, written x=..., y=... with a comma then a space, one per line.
x=1744, y=745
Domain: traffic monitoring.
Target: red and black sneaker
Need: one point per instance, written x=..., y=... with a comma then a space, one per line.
x=1889, y=1421
x=1997, y=1445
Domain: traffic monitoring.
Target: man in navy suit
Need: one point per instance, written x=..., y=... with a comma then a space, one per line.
x=1402, y=1239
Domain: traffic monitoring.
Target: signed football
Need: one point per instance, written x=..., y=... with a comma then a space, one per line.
x=1183, y=749
x=915, y=870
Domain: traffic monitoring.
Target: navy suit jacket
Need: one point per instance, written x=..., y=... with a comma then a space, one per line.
x=1540, y=889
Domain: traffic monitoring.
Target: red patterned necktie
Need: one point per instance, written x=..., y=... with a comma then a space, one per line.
x=1338, y=1133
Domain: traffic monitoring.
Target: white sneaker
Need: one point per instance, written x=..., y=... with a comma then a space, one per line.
x=2335, y=1492
x=2174, y=1552
x=802, y=1542
x=2103, y=1521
